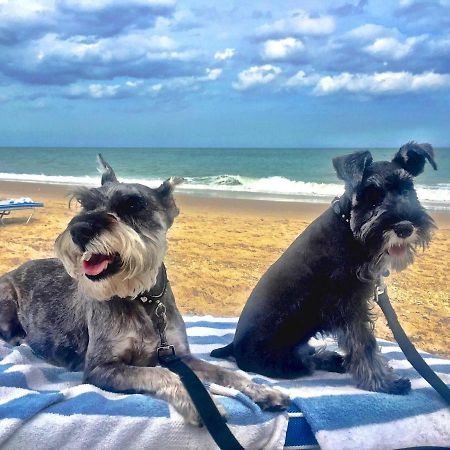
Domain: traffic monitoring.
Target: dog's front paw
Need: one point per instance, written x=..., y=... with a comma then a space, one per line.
x=183, y=403
x=399, y=386
x=179, y=398
x=267, y=398
x=389, y=385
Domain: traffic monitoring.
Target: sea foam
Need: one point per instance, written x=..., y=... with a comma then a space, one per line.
x=236, y=186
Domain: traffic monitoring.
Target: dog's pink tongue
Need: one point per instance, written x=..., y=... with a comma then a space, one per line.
x=96, y=264
x=397, y=250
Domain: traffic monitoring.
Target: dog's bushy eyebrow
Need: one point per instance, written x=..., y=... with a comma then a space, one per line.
x=399, y=182
x=374, y=180
x=87, y=197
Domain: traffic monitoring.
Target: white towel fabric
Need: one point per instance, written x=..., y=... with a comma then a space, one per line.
x=45, y=407
x=15, y=201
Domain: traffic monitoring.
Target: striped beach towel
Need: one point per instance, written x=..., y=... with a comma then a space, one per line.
x=46, y=407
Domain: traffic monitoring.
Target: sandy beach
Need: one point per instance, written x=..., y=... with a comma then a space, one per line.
x=219, y=248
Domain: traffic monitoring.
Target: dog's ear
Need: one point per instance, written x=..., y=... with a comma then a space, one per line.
x=166, y=198
x=412, y=157
x=168, y=186
x=350, y=168
x=108, y=175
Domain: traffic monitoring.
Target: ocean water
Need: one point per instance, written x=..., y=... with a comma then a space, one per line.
x=259, y=173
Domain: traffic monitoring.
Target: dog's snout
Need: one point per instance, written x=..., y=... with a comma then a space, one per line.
x=403, y=229
x=86, y=227
x=82, y=233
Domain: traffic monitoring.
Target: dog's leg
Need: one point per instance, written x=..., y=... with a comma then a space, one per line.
x=10, y=328
x=157, y=381
x=365, y=362
x=264, y=396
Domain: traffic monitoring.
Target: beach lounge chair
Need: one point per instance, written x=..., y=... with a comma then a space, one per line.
x=7, y=206
x=44, y=406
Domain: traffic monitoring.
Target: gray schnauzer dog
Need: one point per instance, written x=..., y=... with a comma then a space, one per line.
x=92, y=308
x=325, y=280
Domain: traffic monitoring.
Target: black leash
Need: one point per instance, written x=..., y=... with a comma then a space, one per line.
x=206, y=408
x=340, y=206
x=210, y=415
x=413, y=356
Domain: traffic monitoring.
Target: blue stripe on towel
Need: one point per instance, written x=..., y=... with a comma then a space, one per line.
x=27, y=406
x=299, y=433
x=242, y=411
x=92, y=403
x=340, y=414
x=333, y=412
x=13, y=378
x=61, y=375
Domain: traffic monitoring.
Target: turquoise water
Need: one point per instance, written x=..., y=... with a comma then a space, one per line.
x=277, y=173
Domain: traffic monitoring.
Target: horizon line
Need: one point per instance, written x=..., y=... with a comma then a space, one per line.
x=166, y=147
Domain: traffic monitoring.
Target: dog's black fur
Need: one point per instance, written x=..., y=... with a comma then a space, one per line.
x=325, y=280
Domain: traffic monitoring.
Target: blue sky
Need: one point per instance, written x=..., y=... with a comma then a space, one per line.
x=201, y=73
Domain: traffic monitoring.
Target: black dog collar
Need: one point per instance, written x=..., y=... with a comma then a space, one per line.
x=158, y=290
x=339, y=208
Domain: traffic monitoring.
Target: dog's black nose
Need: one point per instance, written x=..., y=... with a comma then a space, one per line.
x=82, y=233
x=403, y=229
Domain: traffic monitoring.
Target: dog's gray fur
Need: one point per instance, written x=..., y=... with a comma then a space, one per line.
x=98, y=324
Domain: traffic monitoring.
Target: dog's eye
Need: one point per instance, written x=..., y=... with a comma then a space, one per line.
x=373, y=195
x=129, y=205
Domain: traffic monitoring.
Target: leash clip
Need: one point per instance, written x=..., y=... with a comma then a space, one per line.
x=165, y=351
x=379, y=289
x=166, y=354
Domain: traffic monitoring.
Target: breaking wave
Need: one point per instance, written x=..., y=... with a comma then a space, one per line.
x=236, y=186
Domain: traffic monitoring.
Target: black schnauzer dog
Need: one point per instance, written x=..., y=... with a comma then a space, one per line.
x=325, y=280
x=93, y=310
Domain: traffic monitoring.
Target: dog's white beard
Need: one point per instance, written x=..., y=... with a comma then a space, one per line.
x=399, y=263
x=141, y=259
x=384, y=261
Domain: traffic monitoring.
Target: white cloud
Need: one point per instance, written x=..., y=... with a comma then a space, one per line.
x=137, y=88
x=96, y=90
x=282, y=48
x=370, y=31
x=134, y=83
x=213, y=74
x=103, y=4
x=225, y=54
x=299, y=23
x=302, y=79
x=381, y=83
x=392, y=48
x=29, y=10
x=138, y=45
x=256, y=75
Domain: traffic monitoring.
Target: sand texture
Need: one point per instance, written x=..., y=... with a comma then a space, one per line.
x=218, y=250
